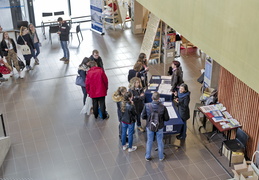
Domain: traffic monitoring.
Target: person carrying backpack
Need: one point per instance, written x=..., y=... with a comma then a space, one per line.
x=155, y=113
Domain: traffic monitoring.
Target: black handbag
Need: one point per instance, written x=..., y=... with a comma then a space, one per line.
x=21, y=63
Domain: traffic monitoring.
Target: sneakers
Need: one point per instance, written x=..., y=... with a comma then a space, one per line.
x=20, y=75
x=148, y=159
x=162, y=158
x=134, y=148
x=107, y=116
x=63, y=59
x=30, y=68
x=11, y=74
x=37, y=62
x=124, y=147
x=140, y=129
x=66, y=61
x=2, y=79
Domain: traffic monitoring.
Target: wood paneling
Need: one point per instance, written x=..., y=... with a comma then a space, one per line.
x=242, y=103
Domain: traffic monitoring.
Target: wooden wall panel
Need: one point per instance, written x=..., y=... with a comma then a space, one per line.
x=242, y=103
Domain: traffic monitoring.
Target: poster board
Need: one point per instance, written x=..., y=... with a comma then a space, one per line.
x=96, y=7
x=123, y=8
x=150, y=35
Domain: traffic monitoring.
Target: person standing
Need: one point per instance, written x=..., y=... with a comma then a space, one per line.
x=136, y=71
x=178, y=41
x=118, y=97
x=135, y=87
x=128, y=119
x=25, y=39
x=9, y=50
x=142, y=58
x=149, y=108
x=177, y=76
x=97, y=87
x=97, y=58
x=182, y=101
x=36, y=41
x=63, y=32
x=82, y=71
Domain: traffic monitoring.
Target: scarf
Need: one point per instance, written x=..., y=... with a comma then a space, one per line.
x=182, y=95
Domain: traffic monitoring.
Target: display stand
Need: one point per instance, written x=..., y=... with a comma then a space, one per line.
x=151, y=44
x=111, y=13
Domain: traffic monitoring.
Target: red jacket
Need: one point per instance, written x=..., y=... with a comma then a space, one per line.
x=96, y=82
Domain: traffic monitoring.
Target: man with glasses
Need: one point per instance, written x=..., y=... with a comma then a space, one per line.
x=95, y=57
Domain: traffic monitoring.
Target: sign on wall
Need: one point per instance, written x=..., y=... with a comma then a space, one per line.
x=96, y=7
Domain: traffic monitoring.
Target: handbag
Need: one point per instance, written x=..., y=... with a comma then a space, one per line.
x=80, y=81
x=25, y=48
x=20, y=63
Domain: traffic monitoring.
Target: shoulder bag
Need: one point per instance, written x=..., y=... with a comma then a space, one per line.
x=80, y=81
x=25, y=48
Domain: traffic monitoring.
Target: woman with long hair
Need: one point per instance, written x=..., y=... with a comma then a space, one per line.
x=138, y=97
x=128, y=122
x=25, y=39
x=9, y=50
x=36, y=42
x=82, y=71
x=182, y=99
x=142, y=58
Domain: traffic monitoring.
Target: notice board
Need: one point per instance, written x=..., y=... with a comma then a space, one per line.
x=150, y=35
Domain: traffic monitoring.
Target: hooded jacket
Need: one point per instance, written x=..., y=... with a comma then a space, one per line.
x=118, y=99
x=96, y=82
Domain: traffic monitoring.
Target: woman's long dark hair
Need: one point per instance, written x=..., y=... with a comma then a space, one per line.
x=126, y=99
x=85, y=61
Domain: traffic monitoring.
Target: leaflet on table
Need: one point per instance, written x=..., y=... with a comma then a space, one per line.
x=171, y=112
x=216, y=113
x=166, y=77
x=155, y=77
x=153, y=85
x=151, y=88
x=234, y=122
x=220, y=107
x=165, y=89
x=218, y=119
x=226, y=114
x=166, y=82
x=208, y=108
x=167, y=104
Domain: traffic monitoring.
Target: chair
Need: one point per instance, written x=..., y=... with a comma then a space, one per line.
x=46, y=14
x=196, y=111
x=59, y=13
x=76, y=30
x=53, y=29
x=235, y=145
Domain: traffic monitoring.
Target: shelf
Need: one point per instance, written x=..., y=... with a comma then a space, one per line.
x=155, y=49
x=154, y=56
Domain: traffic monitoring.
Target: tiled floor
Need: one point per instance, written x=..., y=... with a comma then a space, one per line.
x=52, y=141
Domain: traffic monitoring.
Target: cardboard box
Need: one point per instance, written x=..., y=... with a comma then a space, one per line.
x=237, y=157
x=250, y=175
x=208, y=91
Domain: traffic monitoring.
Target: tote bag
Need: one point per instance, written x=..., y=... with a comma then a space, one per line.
x=25, y=49
x=80, y=81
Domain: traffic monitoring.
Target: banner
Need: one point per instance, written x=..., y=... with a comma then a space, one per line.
x=96, y=16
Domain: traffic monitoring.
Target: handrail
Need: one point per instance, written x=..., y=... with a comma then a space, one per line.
x=2, y=119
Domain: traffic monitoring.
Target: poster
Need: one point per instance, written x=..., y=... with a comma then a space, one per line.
x=96, y=7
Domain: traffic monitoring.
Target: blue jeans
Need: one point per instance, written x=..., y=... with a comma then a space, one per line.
x=160, y=143
x=124, y=128
x=37, y=47
x=65, y=48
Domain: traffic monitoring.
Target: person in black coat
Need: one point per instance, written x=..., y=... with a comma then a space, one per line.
x=82, y=71
x=182, y=99
x=97, y=58
x=23, y=39
x=63, y=32
x=135, y=87
x=136, y=71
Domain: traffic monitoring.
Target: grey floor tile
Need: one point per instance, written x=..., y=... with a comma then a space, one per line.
x=205, y=169
x=97, y=162
x=170, y=175
x=115, y=173
x=181, y=173
x=194, y=172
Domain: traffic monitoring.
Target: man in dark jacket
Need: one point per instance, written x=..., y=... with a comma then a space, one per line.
x=163, y=114
x=177, y=76
x=96, y=87
x=64, y=38
x=96, y=57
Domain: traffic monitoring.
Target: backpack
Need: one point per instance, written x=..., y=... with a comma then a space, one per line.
x=154, y=119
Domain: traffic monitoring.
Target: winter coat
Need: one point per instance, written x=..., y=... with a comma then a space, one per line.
x=96, y=82
x=118, y=99
x=137, y=99
x=176, y=79
x=64, y=30
x=99, y=61
x=164, y=116
x=4, y=46
x=183, y=105
x=129, y=116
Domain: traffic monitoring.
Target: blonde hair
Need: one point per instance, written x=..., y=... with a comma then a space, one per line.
x=22, y=29
x=120, y=91
x=133, y=82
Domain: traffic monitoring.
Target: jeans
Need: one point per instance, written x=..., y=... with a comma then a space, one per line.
x=160, y=143
x=37, y=47
x=85, y=94
x=96, y=102
x=130, y=128
x=65, y=48
x=183, y=131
